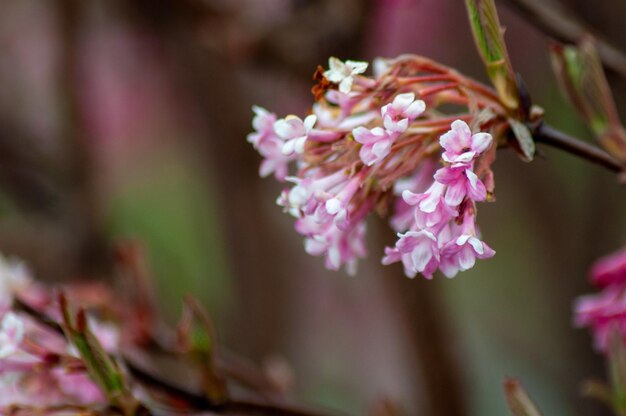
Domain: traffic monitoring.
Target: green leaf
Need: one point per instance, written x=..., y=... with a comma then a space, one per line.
x=580, y=75
x=489, y=39
x=197, y=337
x=100, y=366
x=518, y=400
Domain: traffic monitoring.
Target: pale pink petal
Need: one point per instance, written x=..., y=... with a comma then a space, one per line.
x=481, y=142
x=455, y=193
x=415, y=109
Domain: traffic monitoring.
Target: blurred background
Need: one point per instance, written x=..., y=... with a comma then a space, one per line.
x=127, y=119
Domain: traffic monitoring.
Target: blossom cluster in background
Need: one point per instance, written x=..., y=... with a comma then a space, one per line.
x=372, y=144
x=85, y=348
x=605, y=312
x=38, y=367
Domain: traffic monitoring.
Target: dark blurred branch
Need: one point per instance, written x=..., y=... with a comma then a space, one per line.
x=556, y=138
x=202, y=403
x=554, y=21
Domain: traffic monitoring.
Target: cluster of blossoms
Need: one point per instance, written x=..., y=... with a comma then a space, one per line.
x=38, y=367
x=443, y=234
x=114, y=356
x=605, y=312
x=373, y=144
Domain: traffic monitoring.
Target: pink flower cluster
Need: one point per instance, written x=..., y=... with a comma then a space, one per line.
x=332, y=224
x=37, y=366
x=365, y=138
x=605, y=312
x=443, y=234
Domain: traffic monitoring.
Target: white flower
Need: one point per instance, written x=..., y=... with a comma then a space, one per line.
x=343, y=73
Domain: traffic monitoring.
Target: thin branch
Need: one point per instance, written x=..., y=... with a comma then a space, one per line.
x=556, y=22
x=198, y=401
x=45, y=320
x=202, y=403
x=556, y=138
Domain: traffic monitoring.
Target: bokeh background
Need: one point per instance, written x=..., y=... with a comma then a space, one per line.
x=127, y=120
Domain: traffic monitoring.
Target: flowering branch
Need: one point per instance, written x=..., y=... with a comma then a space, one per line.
x=556, y=138
x=198, y=402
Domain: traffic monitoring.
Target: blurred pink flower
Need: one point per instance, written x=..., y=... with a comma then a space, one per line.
x=604, y=313
x=610, y=269
x=263, y=123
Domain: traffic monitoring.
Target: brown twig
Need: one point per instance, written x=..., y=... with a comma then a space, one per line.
x=557, y=23
x=201, y=403
x=196, y=400
x=556, y=138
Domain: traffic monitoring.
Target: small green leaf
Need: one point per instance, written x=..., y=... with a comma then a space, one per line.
x=489, y=39
x=197, y=338
x=581, y=78
x=100, y=366
x=518, y=400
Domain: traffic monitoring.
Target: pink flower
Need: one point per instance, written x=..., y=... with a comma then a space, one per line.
x=401, y=111
x=432, y=211
x=275, y=161
x=462, y=182
x=314, y=189
x=462, y=250
x=604, y=313
x=338, y=246
x=337, y=206
x=610, y=270
x=263, y=123
x=294, y=131
x=418, y=252
x=345, y=102
x=403, y=216
x=376, y=143
x=461, y=146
